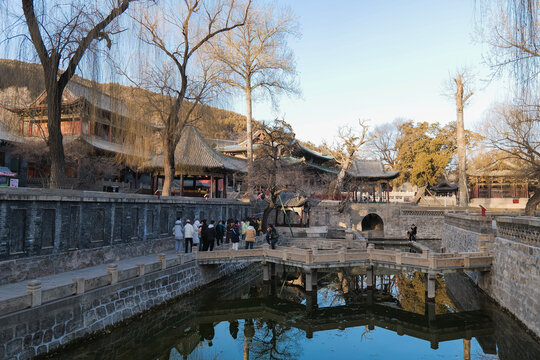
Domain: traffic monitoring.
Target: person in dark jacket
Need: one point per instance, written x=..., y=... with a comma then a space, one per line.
x=272, y=236
x=203, y=232
x=220, y=232
x=228, y=229
x=210, y=237
x=235, y=235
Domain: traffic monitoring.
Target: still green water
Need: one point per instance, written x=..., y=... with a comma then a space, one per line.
x=244, y=318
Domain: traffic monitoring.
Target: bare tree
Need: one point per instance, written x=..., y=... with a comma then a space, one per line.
x=61, y=34
x=460, y=86
x=271, y=165
x=344, y=150
x=516, y=131
x=179, y=33
x=383, y=144
x=255, y=58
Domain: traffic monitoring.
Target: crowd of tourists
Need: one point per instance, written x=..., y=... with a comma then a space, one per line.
x=205, y=236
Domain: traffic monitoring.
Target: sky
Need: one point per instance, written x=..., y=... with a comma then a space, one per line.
x=379, y=60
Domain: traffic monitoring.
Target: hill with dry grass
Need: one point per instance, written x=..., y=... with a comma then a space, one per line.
x=21, y=83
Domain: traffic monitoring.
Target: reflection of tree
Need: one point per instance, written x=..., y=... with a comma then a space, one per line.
x=411, y=293
x=276, y=341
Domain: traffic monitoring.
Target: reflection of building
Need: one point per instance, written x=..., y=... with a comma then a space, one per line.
x=500, y=185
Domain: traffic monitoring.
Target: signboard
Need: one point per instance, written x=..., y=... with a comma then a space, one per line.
x=14, y=183
x=515, y=201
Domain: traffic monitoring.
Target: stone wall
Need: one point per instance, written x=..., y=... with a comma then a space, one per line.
x=38, y=330
x=60, y=230
x=514, y=242
x=515, y=277
x=396, y=218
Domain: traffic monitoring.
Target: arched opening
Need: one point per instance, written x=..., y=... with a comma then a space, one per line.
x=372, y=222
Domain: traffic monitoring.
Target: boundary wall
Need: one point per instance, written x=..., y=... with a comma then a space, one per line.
x=44, y=232
x=514, y=242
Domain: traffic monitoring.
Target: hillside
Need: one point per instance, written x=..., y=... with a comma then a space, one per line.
x=22, y=82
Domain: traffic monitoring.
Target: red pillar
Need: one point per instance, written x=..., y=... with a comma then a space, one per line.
x=225, y=186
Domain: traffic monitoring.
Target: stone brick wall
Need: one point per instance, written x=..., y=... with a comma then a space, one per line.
x=514, y=280
x=397, y=218
x=36, y=222
x=39, y=330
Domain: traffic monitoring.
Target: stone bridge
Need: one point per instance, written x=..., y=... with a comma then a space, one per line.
x=310, y=260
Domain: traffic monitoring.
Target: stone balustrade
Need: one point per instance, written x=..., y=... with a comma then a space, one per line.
x=36, y=295
x=427, y=261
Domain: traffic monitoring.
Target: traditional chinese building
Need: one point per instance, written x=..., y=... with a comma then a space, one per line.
x=500, y=185
x=200, y=170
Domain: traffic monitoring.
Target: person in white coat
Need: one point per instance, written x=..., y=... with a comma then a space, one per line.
x=188, y=236
x=178, y=232
x=196, y=226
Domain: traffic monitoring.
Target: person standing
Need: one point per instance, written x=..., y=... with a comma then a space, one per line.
x=272, y=236
x=413, y=233
x=235, y=235
x=230, y=224
x=250, y=236
x=259, y=226
x=196, y=233
x=244, y=226
x=203, y=235
x=178, y=232
x=220, y=232
x=210, y=237
x=188, y=236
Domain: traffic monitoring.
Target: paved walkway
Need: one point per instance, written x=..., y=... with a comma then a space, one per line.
x=47, y=282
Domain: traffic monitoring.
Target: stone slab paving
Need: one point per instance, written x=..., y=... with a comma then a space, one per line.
x=47, y=282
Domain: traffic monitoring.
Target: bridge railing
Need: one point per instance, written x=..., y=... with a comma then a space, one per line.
x=427, y=260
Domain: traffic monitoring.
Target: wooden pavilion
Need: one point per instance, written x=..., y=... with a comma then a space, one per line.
x=200, y=170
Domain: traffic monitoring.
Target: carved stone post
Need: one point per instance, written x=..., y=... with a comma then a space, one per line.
x=34, y=289
x=79, y=285
x=163, y=261
x=113, y=270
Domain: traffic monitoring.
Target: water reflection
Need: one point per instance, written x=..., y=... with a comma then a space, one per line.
x=245, y=318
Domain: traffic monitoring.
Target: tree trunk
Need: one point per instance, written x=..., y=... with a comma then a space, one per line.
x=532, y=204
x=56, y=147
x=249, y=134
x=462, y=184
x=267, y=211
x=462, y=176
x=341, y=177
x=168, y=164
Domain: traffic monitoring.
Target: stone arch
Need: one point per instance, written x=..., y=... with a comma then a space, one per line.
x=372, y=221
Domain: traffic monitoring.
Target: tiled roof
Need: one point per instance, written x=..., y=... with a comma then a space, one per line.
x=193, y=152
x=315, y=153
x=370, y=169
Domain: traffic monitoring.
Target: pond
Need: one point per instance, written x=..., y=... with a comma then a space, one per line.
x=244, y=317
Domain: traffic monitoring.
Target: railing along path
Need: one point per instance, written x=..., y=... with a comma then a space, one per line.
x=317, y=258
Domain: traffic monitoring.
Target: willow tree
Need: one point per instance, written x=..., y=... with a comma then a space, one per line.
x=255, y=59
x=512, y=28
x=179, y=31
x=60, y=35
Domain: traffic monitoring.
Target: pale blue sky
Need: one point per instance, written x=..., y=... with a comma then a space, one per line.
x=380, y=60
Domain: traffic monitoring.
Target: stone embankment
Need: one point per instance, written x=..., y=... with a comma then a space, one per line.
x=514, y=242
x=46, y=313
